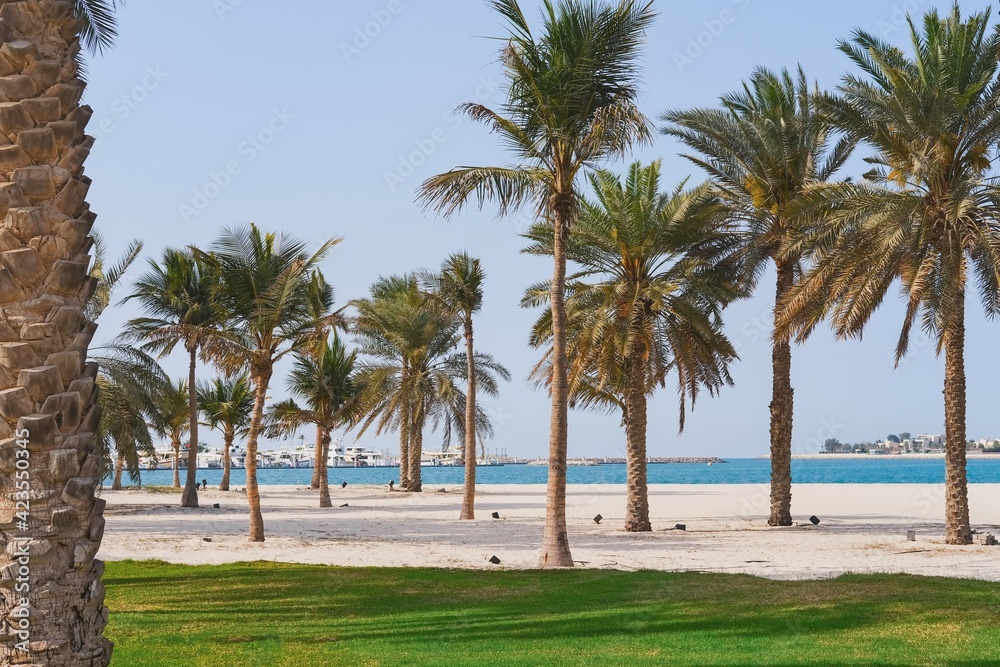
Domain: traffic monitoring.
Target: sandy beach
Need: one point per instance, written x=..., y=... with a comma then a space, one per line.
x=863, y=529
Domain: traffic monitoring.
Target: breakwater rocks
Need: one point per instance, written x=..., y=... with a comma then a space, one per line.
x=611, y=460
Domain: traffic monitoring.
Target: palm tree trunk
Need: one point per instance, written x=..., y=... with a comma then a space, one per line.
x=176, y=444
x=261, y=380
x=44, y=288
x=416, y=453
x=314, y=484
x=190, y=496
x=469, y=497
x=324, y=479
x=637, y=495
x=957, y=527
x=555, y=539
x=404, y=446
x=782, y=405
x=119, y=468
x=226, y=462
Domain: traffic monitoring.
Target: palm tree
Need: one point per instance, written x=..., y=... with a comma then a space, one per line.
x=124, y=438
x=459, y=287
x=320, y=302
x=108, y=277
x=263, y=283
x=170, y=420
x=128, y=382
x=646, y=301
x=227, y=404
x=764, y=149
x=326, y=384
x=395, y=325
x=177, y=297
x=571, y=104
x=927, y=214
x=44, y=289
x=410, y=379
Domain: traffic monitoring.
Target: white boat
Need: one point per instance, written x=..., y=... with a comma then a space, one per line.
x=237, y=457
x=211, y=460
x=286, y=459
x=165, y=460
x=357, y=457
x=442, y=458
x=489, y=462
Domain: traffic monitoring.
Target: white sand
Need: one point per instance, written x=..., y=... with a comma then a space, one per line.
x=863, y=529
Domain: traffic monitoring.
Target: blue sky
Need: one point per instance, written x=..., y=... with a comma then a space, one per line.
x=322, y=118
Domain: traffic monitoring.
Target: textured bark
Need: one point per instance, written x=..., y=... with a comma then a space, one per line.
x=175, y=444
x=189, y=498
x=416, y=453
x=314, y=484
x=957, y=527
x=469, y=497
x=555, y=539
x=261, y=380
x=119, y=469
x=637, y=495
x=782, y=406
x=324, y=479
x=227, y=448
x=44, y=255
x=404, y=447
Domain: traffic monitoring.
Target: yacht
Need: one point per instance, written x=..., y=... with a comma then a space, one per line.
x=210, y=460
x=443, y=458
x=357, y=457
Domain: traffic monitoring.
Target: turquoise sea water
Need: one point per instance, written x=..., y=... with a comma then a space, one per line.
x=736, y=471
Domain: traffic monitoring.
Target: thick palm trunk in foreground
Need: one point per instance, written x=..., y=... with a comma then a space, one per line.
x=47, y=389
x=227, y=448
x=190, y=496
x=637, y=494
x=324, y=479
x=555, y=539
x=782, y=406
x=256, y=533
x=469, y=497
x=957, y=526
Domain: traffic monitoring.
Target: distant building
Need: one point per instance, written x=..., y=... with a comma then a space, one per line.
x=930, y=444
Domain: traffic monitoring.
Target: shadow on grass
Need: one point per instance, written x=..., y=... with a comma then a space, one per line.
x=720, y=618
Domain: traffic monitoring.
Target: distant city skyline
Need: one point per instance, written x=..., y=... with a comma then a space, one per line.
x=332, y=138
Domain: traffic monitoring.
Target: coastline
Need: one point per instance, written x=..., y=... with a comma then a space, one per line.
x=863, y=529
x=883, y=457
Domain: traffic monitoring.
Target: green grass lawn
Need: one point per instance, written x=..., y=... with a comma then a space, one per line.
x=264, y=614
